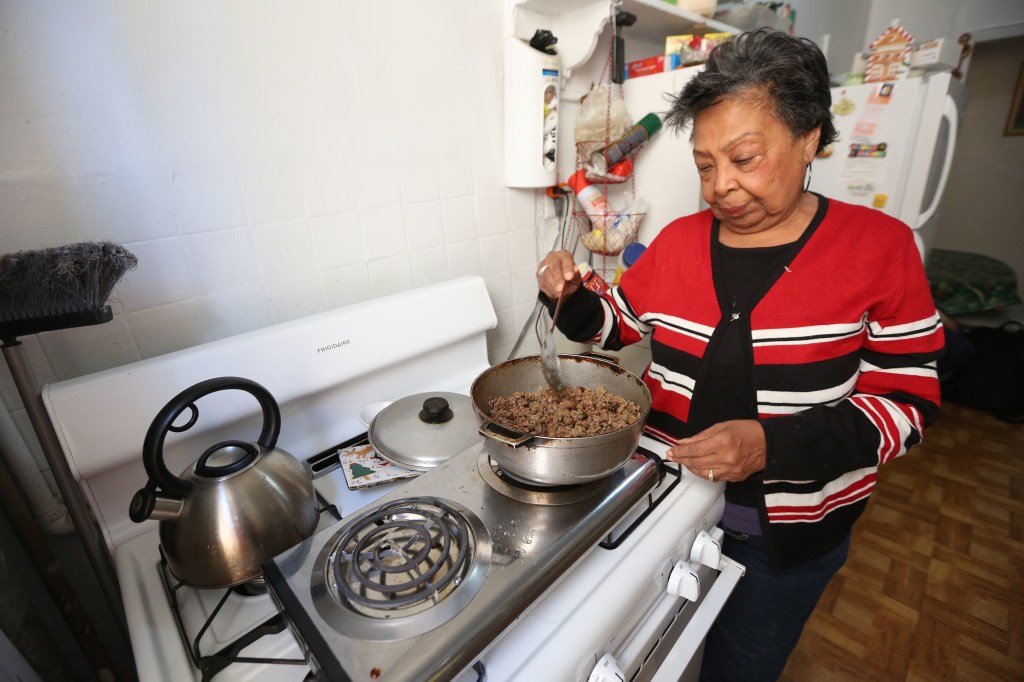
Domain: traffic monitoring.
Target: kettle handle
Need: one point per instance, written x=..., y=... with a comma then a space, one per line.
x=152, y=449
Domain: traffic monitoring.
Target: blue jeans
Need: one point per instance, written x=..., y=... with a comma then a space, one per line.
x=762, y=621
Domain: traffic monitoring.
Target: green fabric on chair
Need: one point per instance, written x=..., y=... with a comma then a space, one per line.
x=964, y=282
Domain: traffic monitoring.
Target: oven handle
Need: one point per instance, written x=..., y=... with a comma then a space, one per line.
x=682, y=652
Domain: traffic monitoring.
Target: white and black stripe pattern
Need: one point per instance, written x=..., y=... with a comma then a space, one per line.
x=679, y=325
x=910, y=330
x=673, y=382
x=928, y=370
x=814, y=334
x=629, y=316
x=774, y=403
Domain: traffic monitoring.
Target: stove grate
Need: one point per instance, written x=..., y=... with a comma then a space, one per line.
x=210, y=664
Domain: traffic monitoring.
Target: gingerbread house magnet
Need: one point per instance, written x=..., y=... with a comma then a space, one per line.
x=889, y=55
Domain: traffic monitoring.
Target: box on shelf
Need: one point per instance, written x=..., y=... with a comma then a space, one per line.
x=684, y=50
x=926, y=54
x=645, y=67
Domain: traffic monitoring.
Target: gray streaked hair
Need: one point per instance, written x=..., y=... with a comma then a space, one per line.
x=790, y=71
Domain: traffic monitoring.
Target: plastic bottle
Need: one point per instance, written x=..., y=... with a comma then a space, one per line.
x=591, y=199
x=605, y=158
x=591, y=279
x=631, y=253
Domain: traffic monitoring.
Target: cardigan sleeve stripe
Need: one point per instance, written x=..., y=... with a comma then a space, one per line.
x=660, y=435
x=896, y=422
x=608, y=326
x=631, y=327
x=915, y=329
x=795, y=507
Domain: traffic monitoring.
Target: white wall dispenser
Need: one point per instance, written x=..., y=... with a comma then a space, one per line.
x=532, y=89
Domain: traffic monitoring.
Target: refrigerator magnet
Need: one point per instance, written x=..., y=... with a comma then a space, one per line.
x=882, y=94
x=844, y=107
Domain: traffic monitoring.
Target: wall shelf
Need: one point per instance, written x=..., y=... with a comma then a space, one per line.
x=578, y=23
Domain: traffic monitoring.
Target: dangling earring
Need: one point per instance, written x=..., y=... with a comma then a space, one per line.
x=807, y=178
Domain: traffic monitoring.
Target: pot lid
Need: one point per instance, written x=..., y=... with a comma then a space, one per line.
x=421, y=431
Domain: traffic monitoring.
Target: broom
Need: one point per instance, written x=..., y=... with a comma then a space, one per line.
x=47, y=290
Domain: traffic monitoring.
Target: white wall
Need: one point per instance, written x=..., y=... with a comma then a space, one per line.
x=264, y=161
x=836, y=26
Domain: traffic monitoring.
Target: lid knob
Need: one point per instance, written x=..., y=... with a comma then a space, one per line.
x=436, y=411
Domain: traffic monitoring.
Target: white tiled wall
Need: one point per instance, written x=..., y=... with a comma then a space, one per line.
x=264, y=161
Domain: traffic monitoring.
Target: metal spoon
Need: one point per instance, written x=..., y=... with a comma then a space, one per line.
x=549, y=362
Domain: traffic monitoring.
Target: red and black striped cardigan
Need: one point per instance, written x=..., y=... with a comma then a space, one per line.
x=842, y=356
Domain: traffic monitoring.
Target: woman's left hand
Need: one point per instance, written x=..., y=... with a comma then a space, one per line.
x=728, y=451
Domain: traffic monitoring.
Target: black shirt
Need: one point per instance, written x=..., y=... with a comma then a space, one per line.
x=744, y=276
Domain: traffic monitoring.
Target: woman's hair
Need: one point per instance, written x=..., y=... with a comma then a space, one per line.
x=791, y=71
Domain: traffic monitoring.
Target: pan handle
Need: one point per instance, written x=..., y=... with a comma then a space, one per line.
x=507, y=436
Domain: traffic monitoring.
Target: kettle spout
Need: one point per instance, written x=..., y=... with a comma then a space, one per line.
x=146, y=504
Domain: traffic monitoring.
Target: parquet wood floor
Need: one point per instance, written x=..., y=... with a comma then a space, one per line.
x=934, y=586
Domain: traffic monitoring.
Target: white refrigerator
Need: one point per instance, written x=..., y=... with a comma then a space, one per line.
x=895, y=148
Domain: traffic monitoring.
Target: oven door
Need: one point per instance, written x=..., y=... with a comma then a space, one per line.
x=667, y=645
x=682, y=646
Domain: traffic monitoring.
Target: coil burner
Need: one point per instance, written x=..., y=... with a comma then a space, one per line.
x=404, y=566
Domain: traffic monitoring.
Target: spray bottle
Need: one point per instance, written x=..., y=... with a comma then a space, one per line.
x=605, y=158
x=591, y=199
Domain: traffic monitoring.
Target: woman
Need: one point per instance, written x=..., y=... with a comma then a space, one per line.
x=793, y=339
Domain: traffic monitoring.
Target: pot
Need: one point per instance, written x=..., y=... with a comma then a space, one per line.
x=236, y=506
x=558, y=461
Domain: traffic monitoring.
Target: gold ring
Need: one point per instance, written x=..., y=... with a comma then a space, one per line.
x=711, y=475
x=543, y=269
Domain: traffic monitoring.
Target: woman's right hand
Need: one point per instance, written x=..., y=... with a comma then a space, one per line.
x=558, y=270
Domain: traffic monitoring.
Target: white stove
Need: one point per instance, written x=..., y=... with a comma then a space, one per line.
x=645, y=592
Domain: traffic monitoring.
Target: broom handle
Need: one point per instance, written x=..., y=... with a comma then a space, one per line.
x=81, y=516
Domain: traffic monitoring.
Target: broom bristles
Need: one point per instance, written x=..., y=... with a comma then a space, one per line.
x=61, y=280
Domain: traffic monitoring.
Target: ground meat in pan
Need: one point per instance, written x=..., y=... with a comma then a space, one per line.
x=576, y=413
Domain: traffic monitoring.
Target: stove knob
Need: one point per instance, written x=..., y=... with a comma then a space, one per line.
x=706, y=550
x=607, y=670
x=684, y=581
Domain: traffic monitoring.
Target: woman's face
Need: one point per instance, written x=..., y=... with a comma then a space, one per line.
x=751, y=168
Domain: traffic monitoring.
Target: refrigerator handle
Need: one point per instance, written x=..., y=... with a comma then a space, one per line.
x=951, y=115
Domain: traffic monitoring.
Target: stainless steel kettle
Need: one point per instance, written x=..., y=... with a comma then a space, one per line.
x=236, y=506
